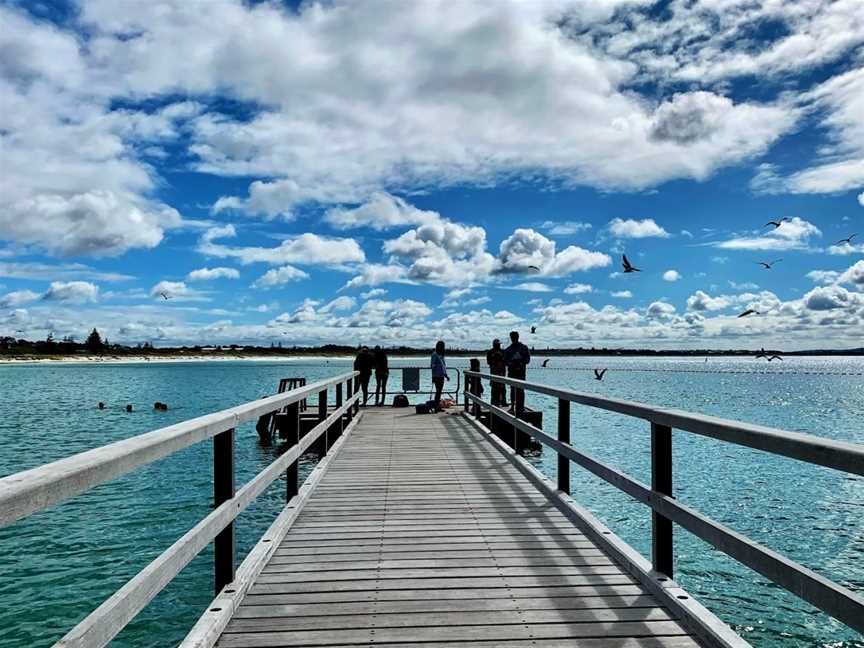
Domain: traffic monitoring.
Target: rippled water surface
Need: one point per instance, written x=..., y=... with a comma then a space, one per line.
x=59, y=564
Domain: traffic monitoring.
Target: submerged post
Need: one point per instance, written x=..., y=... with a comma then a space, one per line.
x=293, y=472
x=661, y=482
x=223, y=490
x=563, y=437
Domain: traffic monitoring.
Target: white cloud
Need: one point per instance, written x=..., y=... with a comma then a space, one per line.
x=660, y=310
x=853, y=275
x=671, y=275
x=375, y=292
x=702, y=301
x=745, y=285
x=825, y=298
x=861, y=199
x=631, y=228
x=279, y=277
x=526, y=248
x=305, y=249
x=578, y=289
x=793, y=234
x=823, y=276
x=533, y=286
x=564, y=228
x=17, y=298
x=72, y=292
x=373, y=274
x=339, y=304
x=622, y=294
x=382, y=211
x=845, y=249
x=208, y=274
x=172, y=290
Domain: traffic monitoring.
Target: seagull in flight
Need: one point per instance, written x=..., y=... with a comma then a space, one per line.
x=767, y=264
x=762, y=354
x=533, y=267
x=533, y=329
x=749, y=311
x=598, y=374
x=629, y=267
x=164, y=296
x=774, y=357
x=776, y=224
x=848, y=240
x=545, y=362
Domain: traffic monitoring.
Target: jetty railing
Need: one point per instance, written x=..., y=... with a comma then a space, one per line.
x=33, y=490
x=832, y=598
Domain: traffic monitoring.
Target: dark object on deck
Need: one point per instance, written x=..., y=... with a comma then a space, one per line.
x=101, y=405
x=521, y=441
x=400, y=400
x=423, y=408
x=128, y=408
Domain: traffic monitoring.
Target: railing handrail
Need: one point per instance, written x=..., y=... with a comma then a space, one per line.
x=839, y=455
x=832, y=598
x=29, y=491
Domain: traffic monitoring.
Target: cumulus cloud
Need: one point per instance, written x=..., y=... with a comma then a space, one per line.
x=174, y=290
x=621, y=294
x=208, y=274
x=382, y=211
x=578, y=289
x=671, y=275
x=526, y=248
x=72, y=292
x=825, y=298
x=660, y=310
x=823, y=276
x=375, y=292
x=702, y=301
x=793, y=234
x=305, y=249
x=339, y=304
x=853, y=275
x=533, y=286
x=564, y=228
x=631, y=228
x=279, y=277
x=17, y=298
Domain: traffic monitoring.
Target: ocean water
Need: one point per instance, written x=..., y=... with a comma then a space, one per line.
x=59, y=564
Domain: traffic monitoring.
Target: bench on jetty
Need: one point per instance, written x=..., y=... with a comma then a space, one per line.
x=418, y=529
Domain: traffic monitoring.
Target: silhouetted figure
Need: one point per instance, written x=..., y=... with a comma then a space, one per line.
x=497, y=367
x=516, y=357
x=382, y=371
x=128, y=408
x=364, y=362
x=101, y=405
x=439, y=372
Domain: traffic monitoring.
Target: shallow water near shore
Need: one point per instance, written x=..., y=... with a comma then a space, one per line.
x=60, y=564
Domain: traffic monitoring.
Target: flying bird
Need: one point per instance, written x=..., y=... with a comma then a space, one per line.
x=598, y=374
x=628, y=267
x=545, y=362
x=776, y=224
x=846, y=240
x=762, y=354
x=749, y=311
x=165, y=296
x=767, y=264
x=774, y=357
x=533, y=267
x=533, y=329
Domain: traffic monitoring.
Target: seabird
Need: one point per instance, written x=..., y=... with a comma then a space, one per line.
x=533, y=267
x=545, y=362
x=767, y=264
x=628, y=267
x=776, y=224
x=164, y=296
x=598, y=374
x=846, y=240
x=533, y=329
x=762, y=353
x=774, y=357
x=749, y=311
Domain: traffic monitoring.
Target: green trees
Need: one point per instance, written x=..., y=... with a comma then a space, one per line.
x=94, y=342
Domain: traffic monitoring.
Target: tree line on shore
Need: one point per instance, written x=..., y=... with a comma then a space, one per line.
x=95, y=344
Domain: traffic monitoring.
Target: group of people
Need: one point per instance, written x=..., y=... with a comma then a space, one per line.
x=512, y=362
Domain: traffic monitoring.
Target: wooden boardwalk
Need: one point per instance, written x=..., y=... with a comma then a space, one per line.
x=420, y=533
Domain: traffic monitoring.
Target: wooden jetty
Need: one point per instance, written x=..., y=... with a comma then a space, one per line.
x=428, y=529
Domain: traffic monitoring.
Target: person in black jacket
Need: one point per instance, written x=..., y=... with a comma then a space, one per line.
x=382, y=371
x=516, y=357
x=497, y=367
x=364, y=362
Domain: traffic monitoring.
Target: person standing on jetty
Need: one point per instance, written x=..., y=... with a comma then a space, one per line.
x=497, y=367
x=516, y=357
x=364, y=362
x=439, y=372
x=382, y=371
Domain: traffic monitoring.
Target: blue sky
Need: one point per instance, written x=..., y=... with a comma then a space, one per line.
x=402, y=172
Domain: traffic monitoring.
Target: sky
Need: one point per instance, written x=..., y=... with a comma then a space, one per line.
x=389, y=172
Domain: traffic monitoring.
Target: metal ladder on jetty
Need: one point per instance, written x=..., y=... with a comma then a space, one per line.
x=418, y=529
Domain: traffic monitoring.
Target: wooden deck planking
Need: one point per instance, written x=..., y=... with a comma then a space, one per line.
x=421, y=532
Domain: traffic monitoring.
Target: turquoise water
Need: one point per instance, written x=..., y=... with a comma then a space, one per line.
x=60, y=564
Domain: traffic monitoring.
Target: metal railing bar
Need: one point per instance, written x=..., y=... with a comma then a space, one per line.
x=106, y=621
x=836, y=600
x=839, y=455
x=29, y=491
